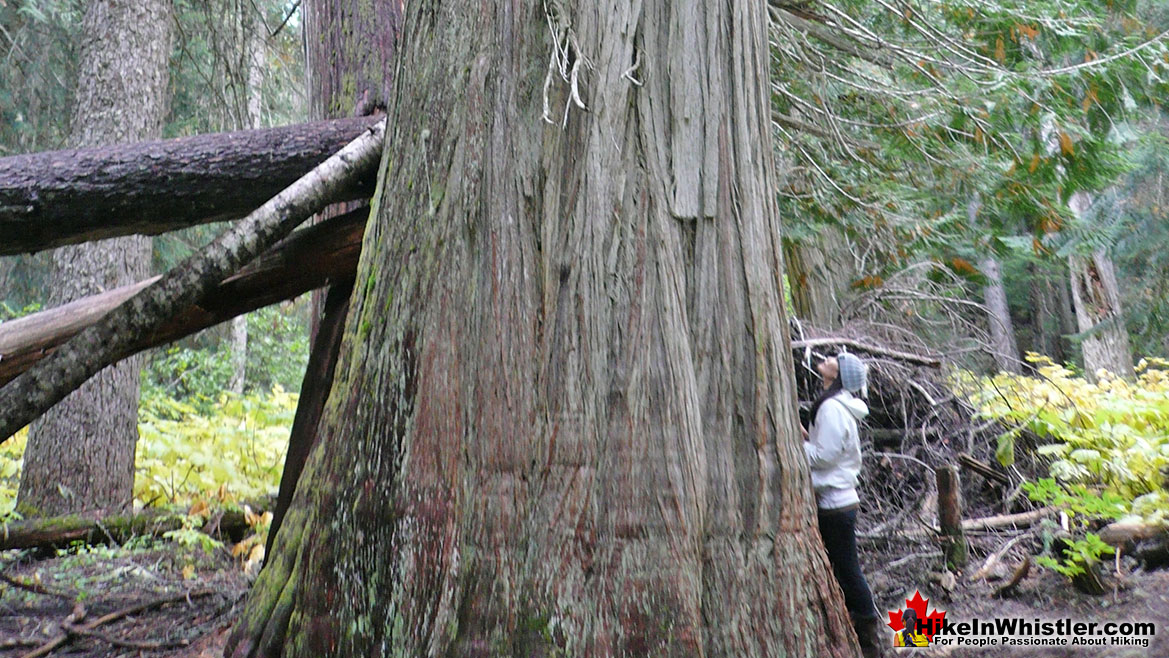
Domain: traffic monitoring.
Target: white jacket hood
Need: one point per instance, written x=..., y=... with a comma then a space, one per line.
x=855, y=406
x=834, y=451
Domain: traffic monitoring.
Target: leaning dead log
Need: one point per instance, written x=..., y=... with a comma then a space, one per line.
x=51, y=379
x=1148, y=543
x=306, y=260
x=1019, y=520
x=61, y=531
x=64, y=197
x=860, y=346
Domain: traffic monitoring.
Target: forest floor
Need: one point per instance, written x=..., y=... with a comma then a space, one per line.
x=167, y=600
x=897, y=570
x=182, y=601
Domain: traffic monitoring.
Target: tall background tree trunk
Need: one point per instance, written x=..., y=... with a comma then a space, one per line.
x=1003, y=347
x=1096, y=298
x=563, y=418
x=349, y=57
x=254, y=38
x=819, y=271
x=80, y=455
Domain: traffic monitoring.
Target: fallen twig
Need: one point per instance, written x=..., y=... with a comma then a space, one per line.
x=71, y=630
x=35, y=588
x=994, y=558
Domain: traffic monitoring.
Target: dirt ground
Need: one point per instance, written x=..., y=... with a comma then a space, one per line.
x=203, y=593
x=1133, y=595
x=180, y=602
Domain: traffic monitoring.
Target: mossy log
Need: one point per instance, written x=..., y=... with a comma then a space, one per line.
x=98, y=528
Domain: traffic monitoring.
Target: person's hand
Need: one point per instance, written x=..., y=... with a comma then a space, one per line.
x=804, y=431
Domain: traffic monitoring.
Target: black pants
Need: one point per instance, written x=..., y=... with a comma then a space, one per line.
x=838, y=530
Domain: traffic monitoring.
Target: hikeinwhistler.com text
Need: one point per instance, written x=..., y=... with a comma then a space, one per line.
x=1019, y=632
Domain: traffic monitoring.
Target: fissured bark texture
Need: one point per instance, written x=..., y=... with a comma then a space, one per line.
x=562, y=421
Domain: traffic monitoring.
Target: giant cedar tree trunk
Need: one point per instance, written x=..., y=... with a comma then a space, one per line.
x=80, y=454
x=1096, y=298
x=563, y=418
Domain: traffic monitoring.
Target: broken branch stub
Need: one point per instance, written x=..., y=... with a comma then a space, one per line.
x=50, y=380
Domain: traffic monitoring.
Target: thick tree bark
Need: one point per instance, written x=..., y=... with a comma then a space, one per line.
x=563, y=418
x=304, y=261
x=350, y=58
x=65, y=197
x=349, y=53
x=1003, y=347
x=818, y=273
x=34, y=391
x=81, y=455
x=1100, y=320
x=349, y=50
x=314, y=393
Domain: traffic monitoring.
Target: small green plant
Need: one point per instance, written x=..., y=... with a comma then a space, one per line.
x=1108, y=442
x=1083, y=507
x=190, y=536
x=1078, y=555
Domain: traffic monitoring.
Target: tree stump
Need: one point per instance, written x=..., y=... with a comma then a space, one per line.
x=950, y=516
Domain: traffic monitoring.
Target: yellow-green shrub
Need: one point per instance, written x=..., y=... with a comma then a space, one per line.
x=1109, y=437
x=233, y=453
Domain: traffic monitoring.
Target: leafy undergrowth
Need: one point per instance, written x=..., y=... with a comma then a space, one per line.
x=1107, y=442
x=235, y=453
x=198, y=465
x=188, y=460
x=193, y=464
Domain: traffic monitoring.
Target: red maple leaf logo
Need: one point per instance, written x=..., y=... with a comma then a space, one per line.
x=931, y=623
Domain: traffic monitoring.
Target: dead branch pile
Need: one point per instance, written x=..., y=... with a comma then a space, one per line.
x=917, y=424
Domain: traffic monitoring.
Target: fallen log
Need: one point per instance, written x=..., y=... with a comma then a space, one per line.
x=306, y=260
x=918, y=359
x=1019, y=520
x=985, y=470
x=94, y=528
x=34, y=391
x=56, y=198
x=1148, y=543
x=1120, y=533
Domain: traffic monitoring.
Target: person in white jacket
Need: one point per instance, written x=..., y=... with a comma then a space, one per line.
x=834, y=454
